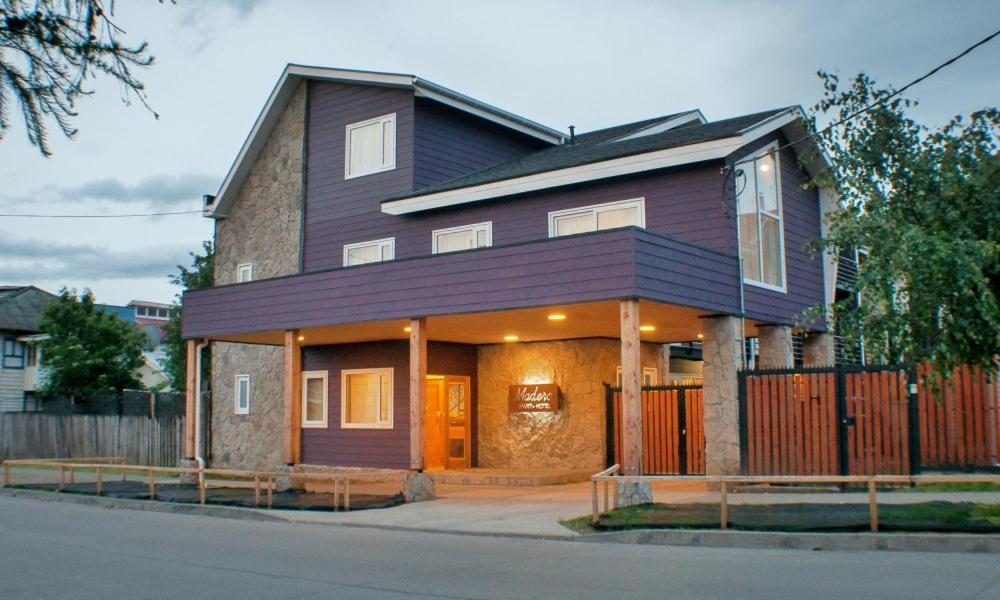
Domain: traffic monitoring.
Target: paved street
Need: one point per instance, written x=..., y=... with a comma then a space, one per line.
x=56, y=550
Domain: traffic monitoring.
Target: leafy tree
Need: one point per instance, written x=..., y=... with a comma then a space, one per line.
x=49, y=48
x=925, y=205
x=89, y=351
x=201, y=274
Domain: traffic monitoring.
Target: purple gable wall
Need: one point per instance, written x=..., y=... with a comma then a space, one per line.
x=380, y=448
x=804, y=271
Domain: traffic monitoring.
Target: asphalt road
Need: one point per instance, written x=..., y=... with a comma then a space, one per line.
x=56, y=550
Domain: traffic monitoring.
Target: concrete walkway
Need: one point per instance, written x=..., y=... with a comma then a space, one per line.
x=537, y=511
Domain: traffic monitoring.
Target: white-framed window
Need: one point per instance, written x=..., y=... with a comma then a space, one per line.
x=314, y=399
x=371, y=146
x=363, y=253
x=366, y=398
x=466, y=237
x=649, y=376
x=598, y=217
x=244, y=272
x=242, y=394
x=761, y=226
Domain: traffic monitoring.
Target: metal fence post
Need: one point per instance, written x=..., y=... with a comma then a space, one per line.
x=683, y=430
x=913, y=417
x=741, y=378
x=840, y=392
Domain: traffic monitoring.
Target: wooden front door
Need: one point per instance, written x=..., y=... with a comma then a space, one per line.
x=434, y=423
x=446, y=419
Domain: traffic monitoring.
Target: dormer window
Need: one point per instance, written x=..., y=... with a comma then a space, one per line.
x=371, y=147
x=758, y=195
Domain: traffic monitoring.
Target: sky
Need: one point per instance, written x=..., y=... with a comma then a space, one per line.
x=575, y=62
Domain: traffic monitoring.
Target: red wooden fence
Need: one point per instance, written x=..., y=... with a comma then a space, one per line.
x=791, y=421
x=673, y=439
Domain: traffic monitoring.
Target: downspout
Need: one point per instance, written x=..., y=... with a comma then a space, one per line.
x=739, y=254
x=198, y=455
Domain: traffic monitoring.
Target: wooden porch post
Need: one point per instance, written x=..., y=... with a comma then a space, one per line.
x=189, y=398
x=292, y=389
x=631, y=389
x=418, y=392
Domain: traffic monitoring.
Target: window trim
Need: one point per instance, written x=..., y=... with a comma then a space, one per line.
x=383, y=424
x=486, y=226
x=325, y=421
x=244, y=267
x=783, y=288
x=595, y=209
x=390, y=242
x=389, y=118
x=237, y=409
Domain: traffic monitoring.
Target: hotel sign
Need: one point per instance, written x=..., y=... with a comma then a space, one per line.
x=533, y=397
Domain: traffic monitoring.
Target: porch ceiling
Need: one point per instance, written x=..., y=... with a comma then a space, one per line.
x=583, y=320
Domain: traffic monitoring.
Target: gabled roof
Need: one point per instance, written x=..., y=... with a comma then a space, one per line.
x=625, y=149
x=21, y=307
x=294, y=74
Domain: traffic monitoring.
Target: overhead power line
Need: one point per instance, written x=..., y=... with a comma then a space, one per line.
x=115, y=216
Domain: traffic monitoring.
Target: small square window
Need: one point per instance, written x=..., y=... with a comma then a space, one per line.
x=244, y=273
x=243, y=394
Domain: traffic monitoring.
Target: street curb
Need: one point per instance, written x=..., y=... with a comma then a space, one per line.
x=850, y=542
x=704, y=538
x=225, y=512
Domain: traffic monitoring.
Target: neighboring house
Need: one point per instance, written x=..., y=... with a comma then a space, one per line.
x=20, y=311
x=151, y=318
x=393, y=256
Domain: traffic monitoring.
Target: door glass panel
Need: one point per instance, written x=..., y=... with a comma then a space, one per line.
x=771, y=243
x=456, y=448
x=456, y=402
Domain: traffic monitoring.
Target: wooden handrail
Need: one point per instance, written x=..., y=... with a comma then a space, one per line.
x=341, y=478
x=725, y=481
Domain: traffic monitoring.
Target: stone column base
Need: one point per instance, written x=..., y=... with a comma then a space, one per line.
x=632, y=493
x=188, y=478
x=283, y=484
x=418, y=487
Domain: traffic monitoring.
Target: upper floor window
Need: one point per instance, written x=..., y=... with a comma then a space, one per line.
x=244, y=272
x=466, y=237
x=598, y=217
x=371, y=146
x=758, y=195
x=13, y=354
x=369, y=252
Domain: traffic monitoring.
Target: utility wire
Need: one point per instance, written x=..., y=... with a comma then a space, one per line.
x=116, y=216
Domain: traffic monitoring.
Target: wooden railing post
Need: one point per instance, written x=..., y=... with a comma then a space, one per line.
x=347, y=494
x=152, y=484
x=100, y=483
x=6, y=474
x=724, y=505
x=872, y=505
x=270, y=491
x=594, y=509
x=256, y=490
x=202, y=484
x=62, y=478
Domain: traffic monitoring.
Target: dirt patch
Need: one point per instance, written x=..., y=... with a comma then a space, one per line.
x=188, y=494
x=962, y=517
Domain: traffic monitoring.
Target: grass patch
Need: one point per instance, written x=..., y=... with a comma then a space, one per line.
x=964, y=517
x=982, y=486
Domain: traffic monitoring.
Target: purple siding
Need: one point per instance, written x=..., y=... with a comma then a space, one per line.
x=804, y=271
x=339, y=211
x=596, y=266
x=381, y=448
x=449, y=143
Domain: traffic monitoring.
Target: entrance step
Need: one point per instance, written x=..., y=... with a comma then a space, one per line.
x=510, y=477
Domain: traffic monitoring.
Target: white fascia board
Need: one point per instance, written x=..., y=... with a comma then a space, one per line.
x=369, y=77
x=490, y=114
x=600, y=170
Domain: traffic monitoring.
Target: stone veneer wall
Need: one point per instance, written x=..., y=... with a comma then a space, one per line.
x=573, y=437
x=262, y=228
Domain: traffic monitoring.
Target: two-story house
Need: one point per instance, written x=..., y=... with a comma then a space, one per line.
x=394, y=258
x=20, y=357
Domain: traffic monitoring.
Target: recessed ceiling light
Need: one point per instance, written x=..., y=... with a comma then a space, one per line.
x=647, y=328
x=557, y=317
x=302, y=338
x=701, y=336
x=510, y=338
x=407, y=329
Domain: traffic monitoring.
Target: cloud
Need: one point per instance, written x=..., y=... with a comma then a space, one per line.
x=25, y=259
x=157, y=191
